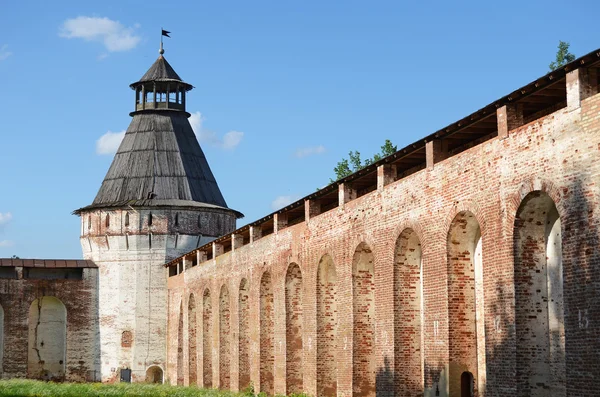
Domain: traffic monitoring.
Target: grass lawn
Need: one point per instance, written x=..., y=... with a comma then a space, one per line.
x=32, y=388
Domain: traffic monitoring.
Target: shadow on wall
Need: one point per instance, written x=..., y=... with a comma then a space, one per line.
x=581, y=275
x=384, y=380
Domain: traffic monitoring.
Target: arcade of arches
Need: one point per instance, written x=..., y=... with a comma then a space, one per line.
x=300, y=344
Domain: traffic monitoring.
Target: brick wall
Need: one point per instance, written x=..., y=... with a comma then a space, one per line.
x=412, y=338
x=66, y=336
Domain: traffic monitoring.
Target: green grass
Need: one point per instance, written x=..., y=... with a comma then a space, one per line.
x=32, y=388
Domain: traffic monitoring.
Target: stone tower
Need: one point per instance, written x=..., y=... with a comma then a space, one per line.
x=158, y=201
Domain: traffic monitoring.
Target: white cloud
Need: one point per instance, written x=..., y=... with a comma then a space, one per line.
x=309, y=151
x=282, y=201
x=109, y=142
x=112, y=34
x=5, y=218
x=229, y=141
x=4, y=53
x=6, y=243
x=232, y=139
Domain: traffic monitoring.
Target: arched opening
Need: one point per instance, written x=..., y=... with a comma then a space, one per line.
x=363, y=307
x=206, y=340
x=466, y=330
x=192, y=342
x=180, y=342
x=154, y=374
x=1, y=340
x=244, y=336
x=47, y=339
x=466, y=385
x=107, y=221
x=224, y=337
x=408, y=289
x=150, y=219
x=539, y=310
x=127, y=224
x=267, y=359
x=176, y=219
x=294, y=329
x=327, y=321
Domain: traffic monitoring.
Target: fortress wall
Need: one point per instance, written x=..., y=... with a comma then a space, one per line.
x=557, y=156
x=50, y=325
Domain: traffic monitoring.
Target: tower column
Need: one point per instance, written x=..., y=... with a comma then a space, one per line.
x=143, y=97
x=154, y=105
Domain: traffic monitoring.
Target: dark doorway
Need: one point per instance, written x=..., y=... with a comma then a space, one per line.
x=466, y=384
x=126, y=375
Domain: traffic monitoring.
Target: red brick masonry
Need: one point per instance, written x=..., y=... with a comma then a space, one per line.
x=483, y=262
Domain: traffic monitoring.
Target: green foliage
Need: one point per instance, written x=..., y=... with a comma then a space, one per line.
x=346, y=167
x=563, y=56
x=31, y=388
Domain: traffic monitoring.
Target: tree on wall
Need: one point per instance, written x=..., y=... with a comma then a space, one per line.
x=563, y=56
x=354, y=163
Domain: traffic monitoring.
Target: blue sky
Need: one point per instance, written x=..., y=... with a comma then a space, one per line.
x=283, y=89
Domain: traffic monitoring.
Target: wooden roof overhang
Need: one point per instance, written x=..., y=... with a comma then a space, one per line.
x=539, y=95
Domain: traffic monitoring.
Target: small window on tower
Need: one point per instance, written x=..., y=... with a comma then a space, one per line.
x=89, y=222
x=107, y=221
x=177, y=219
x=199, y=222
x=127, y=219
x=150, y=219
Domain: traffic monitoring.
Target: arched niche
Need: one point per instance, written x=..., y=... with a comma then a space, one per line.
x=363, y=308
x=154, y=374
x=294, y=329
x=408, y=314
x=539, y=304
x=47, y=353
x=327, y=324
x=244, y=335
x=192, y=342
x=224, y=339
x=267, y=340
x=466, y=331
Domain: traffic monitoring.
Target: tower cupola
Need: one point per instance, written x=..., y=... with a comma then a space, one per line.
x=160, y=88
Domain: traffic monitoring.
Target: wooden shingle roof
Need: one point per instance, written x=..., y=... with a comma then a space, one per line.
x=159, y=163
x=161, y=71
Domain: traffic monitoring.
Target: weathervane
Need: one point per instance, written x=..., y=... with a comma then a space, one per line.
x=163, y=33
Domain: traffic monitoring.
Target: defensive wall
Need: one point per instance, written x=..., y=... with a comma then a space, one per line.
x=467, y=260
x=48, y=320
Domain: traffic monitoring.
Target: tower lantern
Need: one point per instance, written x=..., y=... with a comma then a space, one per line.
x=160, y=88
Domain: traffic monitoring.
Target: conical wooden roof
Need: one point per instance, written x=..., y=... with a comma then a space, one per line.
x=161, y=71
x=159, y=162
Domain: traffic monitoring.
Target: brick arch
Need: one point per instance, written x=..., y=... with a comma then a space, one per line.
x=207, y=339
x=408, y=312
x=538, y=286
x=294, y=328
x=327, y=327
x=192, y=341
x=466, y=330
x=467, y=206
x=267, y=339
x=525, y=188
x=47, y=352
x=408, y=224
x=180, y=343
x=363, y=317
x=244, y=333
x=224, y=339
